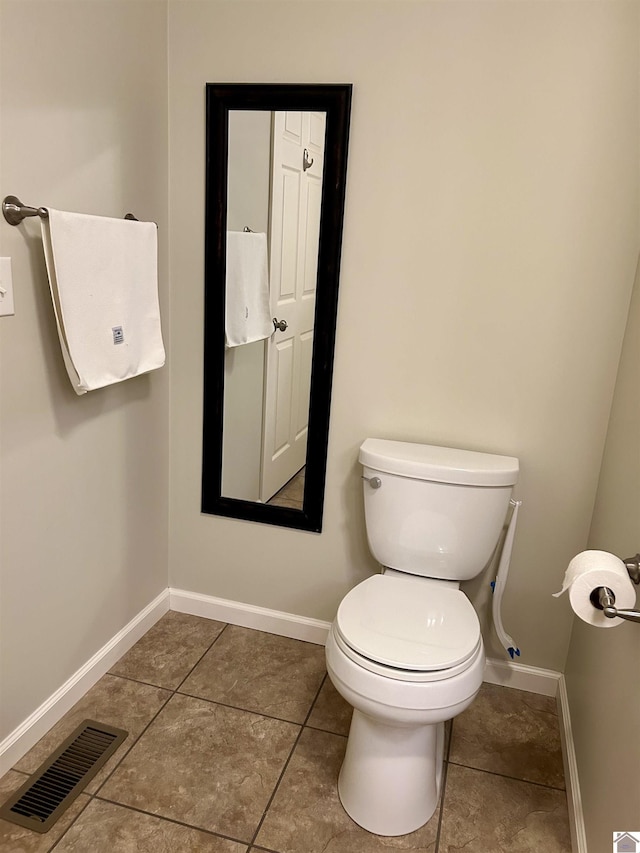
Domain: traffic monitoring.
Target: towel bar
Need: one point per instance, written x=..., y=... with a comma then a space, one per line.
x=15, y=211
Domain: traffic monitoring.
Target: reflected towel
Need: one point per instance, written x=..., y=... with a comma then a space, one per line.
x=247, y=312
x=104, y=284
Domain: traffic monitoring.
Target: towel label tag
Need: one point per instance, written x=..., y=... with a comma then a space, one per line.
x=118, y=335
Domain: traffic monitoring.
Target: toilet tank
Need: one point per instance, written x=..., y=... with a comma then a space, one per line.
x=434, y=511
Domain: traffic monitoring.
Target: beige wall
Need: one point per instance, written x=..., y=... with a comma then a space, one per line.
x=489, y=252
x=602, y=670
x=83, y=479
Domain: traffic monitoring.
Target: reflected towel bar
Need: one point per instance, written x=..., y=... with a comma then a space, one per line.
x=15, y=211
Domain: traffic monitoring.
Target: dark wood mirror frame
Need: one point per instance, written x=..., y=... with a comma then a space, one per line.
x=335, y=101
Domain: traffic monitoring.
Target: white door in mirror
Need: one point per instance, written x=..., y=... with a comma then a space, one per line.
x=6, y=288
x=296, y=199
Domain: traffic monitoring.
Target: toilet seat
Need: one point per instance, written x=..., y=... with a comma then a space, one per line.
x=405, y=630
x=406, y=675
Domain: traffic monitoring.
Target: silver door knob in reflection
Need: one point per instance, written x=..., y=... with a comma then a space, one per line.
x=281, y=325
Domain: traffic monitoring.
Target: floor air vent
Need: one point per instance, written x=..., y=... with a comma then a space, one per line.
x=57, y=782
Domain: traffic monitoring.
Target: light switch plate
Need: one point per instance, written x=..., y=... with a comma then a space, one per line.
x=6, y=288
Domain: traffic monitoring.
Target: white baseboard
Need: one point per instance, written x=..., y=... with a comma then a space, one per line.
x=572, y=783
x=534, y=679
x=250, y=616
x=20, y=741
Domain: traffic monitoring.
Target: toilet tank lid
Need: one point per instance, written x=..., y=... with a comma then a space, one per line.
x=439, y=464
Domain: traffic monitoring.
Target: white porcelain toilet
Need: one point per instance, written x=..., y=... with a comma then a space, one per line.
x=405, y=648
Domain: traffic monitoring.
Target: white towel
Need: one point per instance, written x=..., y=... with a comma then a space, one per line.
x=103, y=275
x=247, y=314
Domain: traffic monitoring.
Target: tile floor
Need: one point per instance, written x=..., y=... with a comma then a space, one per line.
x=235, y=742
x=291, y=494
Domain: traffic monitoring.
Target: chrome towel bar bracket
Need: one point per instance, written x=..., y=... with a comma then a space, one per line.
x=15, y=211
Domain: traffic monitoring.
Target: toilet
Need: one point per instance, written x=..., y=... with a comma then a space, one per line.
x=405, y=648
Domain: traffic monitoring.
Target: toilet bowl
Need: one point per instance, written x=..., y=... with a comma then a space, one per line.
x=390, y=779
x=405, y=649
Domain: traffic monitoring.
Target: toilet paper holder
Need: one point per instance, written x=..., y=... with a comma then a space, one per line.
x=633, y=567
x=604, y=598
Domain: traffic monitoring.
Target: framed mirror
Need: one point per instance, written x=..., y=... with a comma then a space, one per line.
x=276, y=159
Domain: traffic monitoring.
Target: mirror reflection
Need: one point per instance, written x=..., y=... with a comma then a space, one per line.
x=275, y=191
x=274, y=196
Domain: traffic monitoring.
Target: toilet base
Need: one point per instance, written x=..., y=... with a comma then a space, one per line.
x=391, y=776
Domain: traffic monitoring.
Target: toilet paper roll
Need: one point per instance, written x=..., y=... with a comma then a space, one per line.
x=592, y=569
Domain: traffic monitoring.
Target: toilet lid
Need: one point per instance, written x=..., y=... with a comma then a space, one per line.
x=409, y=624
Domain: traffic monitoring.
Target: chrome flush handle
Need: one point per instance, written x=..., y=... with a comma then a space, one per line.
x=374, y=482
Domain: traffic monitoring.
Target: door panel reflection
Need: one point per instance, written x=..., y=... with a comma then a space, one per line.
x=274, y=186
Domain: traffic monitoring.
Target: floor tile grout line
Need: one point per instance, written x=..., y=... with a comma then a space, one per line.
x=82, y=810
x=448, y=751
x=286, y=764
x=238, y=708
x=206, y=652
x=179, y=692
x=170, y=820
x=15, y=770
x=225, y=625
x=133, y=743
x=277, y=785
x=325, y=731
x=445, y=774
x=140, y=681
x=507, y=776
x=315, y=698
x=172, y=690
